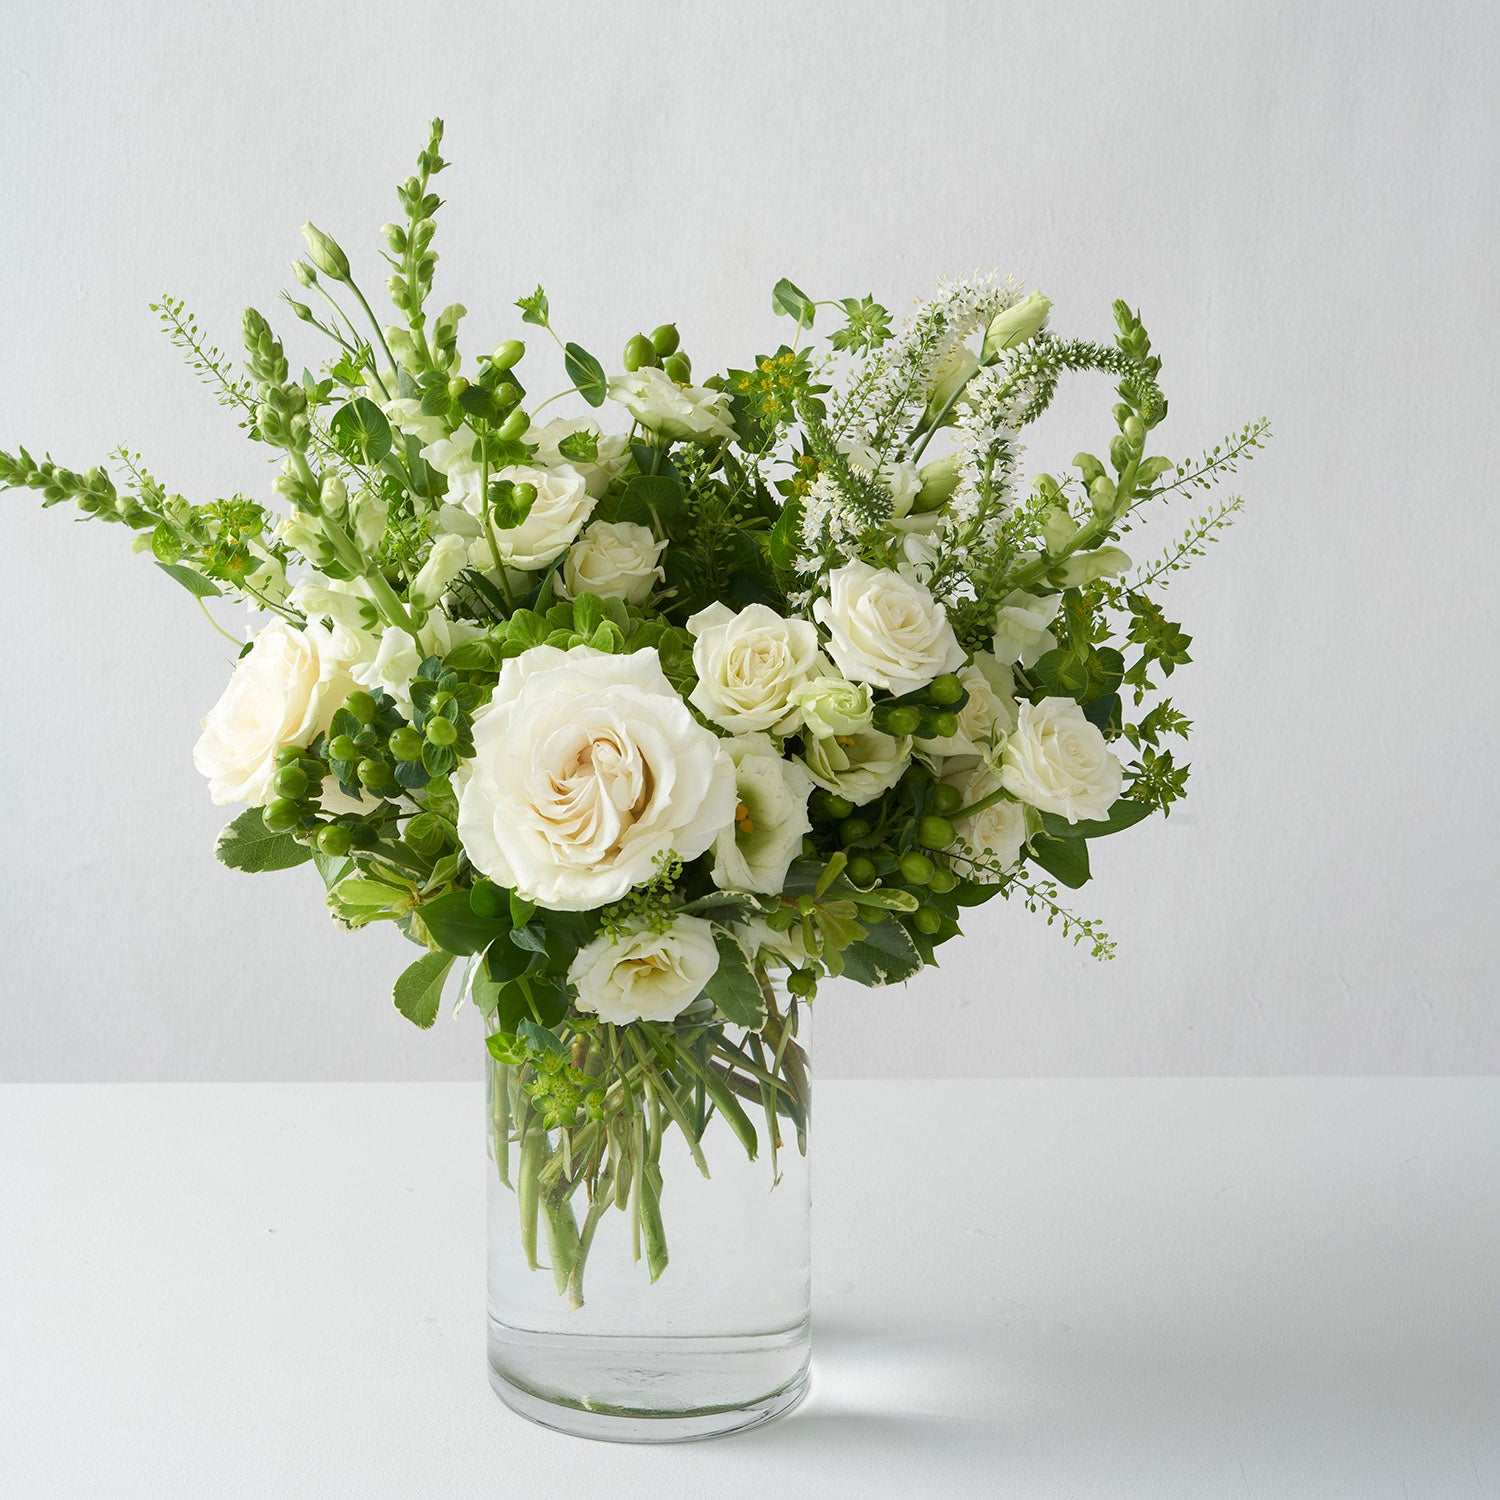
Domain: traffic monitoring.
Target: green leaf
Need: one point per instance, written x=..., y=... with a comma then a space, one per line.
x=1122, y=815
x=1066, y=859
x=793, y=301
x=586, y=373
x=534, y=308
x=457, y=926
x=885, y=955
x=194, y=582
x=540, y=1040
x=419, y=990
x=652, y=499
x=734, y=988
x=580, y=447
x=247, y=844
x=360, y=432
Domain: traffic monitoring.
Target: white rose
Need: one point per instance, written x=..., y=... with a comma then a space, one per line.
x=556, y=516
x=645, y=976
x=688, y=412
x=858, y=766
x=1057, y=761
x=886, y=629
x=748, y=665
x=899, y=477
x=993, y=837
x=448, y=558
x=769, y=818
x=615, y=560
x=988, y=715
x=284, y=691
x=586, y=768
x=607, y=464
x=829, y=705
x=1021, y=628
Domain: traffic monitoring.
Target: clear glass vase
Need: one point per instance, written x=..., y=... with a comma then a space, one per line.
x=648, y=1277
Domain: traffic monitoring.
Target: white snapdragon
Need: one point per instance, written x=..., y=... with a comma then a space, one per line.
x=886, y=629
x=1058, y=761
x=770, y=817
x=748, y=666
x=645, y=975
x=448, y=558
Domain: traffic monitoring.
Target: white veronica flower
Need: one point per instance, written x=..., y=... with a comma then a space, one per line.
x=753, y=853
x=645, y=975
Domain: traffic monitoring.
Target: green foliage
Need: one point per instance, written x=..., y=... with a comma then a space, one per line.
x=868, y=326
x=246, y=844
x=734, y=988
x=586, y=373
x=534, y=308
x=419, y=990
x=792, y=302
x=360, y=432
x=885, y=955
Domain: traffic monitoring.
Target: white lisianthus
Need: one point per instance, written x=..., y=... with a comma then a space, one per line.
x=1012, y=326
x=690, y=413
x=830, y=705
x=448, y=558
x=562, y=505
x=748, y=665
x=899, y=477
x=886, y=629
x=1059, y=762
x=1022, y=632
x=763, y=943
x=609, y=461
x=858, y=766
x=994, y=836
x=950, y=377
x=284, y=691
x=988, y=715
x=392, y=661
x=587, y=767
x=615, y=560
x=770, y=817
x=645, y=975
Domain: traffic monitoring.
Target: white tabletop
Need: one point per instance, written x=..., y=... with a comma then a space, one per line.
x=1253, y=1288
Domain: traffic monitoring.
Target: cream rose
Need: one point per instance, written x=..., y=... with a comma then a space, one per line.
x=987, y=716
x=770, y=817
x=587, y=767
x=829, y=705
x=610, y=458
x=645, y=975
x=1057, y=761
x=687, y=412
x=1021, y=628
x=556, y=516
x=748, y=665
x=284, y=691
x=858, y=766
x=994, y=836
x=615, y=560
x=886, y=629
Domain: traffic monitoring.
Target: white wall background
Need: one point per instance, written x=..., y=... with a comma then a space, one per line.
x=1303, y=198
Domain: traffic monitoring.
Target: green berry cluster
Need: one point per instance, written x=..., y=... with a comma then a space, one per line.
x=659, y=350
x=930, y=712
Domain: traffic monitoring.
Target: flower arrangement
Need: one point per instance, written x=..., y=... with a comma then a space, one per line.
x=775, y=675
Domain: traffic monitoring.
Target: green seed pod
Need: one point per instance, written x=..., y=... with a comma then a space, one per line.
x=406, y=743
x=803, y=983
x=943, y=881
x=946, y=689
x=335, y=840
x=917, y=869
x=373, y=773
x=290, y=782
x=639, y=353
x=935, y=833
x=851, y=830
x=507, y=355
x=946, y=799
x=665, y=339
x=861, y=870
x=281, y=816
x=904, y=720
x=837, y=807
x=341, y=747
x=441, y=732
x=678, y=367
x=362, y=705
x=928, y=920
x=288, y=755
x=945, y=726
x=456, y=387
x=515, y=424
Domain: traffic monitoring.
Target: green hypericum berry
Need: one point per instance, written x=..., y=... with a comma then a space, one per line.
x=947, y=799
x=917, y=869
x=288, y=755
x=335, y=840
x=946, y=689
x=945, y=726
x=935, y=833
x=282, y=816
x=373, y=773
x=341, y=747
x=927, y=920
x=943, y=881
x=861, y=870
x=678, y=367
x=903, y=720
x=639, y=353
x=508, y=354
x=290, y=782
x=851, y=830
x=664, y=339
x=803, y=983
x=440, y=732
x=524, y=493
x=362, y=705
x=837, y=807
x=406, y=743
x=515, y=424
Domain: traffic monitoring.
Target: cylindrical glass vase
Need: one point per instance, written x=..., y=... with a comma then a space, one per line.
x=648, y=1275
